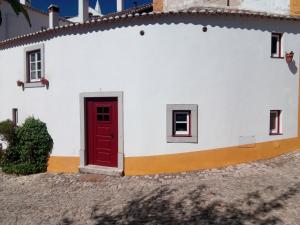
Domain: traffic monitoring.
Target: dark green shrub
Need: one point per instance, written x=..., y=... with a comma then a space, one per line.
x=20, y=168
x=10, y=155
x=7, y=131
x=7, y=134
x=1, y=156
x=30, y=151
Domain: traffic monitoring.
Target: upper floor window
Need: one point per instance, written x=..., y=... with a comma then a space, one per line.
x=276, y=45
x=34, y=66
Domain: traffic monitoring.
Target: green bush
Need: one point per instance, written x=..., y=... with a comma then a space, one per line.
x=7, y=131
x=31, y=149
x=20, y=168
x=7, y=134
x=1, y=157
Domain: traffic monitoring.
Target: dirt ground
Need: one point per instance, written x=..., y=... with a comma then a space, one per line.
x=260, y=193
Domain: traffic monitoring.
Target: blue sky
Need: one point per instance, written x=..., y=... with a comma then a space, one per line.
x=69, y=7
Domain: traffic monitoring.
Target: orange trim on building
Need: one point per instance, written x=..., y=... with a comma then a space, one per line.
x=295, y=7
x=61, y=164
x=208, y=159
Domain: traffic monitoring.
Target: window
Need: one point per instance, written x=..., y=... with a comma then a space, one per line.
x=34, y=66
x=182, y=123
x=103, y=114
x=276, y=45
x=275, y=122
x=15, y=116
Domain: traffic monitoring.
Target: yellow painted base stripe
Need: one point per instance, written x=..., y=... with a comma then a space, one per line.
x=59, y=164
x=208, y=159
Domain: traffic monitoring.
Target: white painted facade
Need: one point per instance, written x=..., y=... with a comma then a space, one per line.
x=274, y=6
x=227, y=71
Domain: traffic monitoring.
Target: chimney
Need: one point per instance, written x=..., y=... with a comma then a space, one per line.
x=53, y=16
x=83, y=10
x=120, y=5
x=158, y=5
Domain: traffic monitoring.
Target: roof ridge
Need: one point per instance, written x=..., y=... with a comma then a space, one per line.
x=117, y=17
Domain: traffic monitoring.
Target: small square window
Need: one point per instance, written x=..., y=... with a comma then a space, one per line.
x=103, y=114
x=181, y=123
x=276, y=45
x=275, y=122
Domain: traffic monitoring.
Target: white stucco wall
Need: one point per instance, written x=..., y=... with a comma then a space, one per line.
x=13, y=25
x=174, y=5
x=227, y=71
x=274, y=6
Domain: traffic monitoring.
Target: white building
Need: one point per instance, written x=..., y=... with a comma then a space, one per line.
x=13, y=25
x=88, y=10
x=159, y=92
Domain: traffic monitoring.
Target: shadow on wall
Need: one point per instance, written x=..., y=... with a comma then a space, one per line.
x=229, y=21
x=159, y=207
x=293, y=67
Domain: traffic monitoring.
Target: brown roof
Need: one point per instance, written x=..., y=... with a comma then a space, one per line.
x=129, y=15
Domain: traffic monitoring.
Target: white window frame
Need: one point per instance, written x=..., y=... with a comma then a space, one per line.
x=279, y=45
x=27, y=75
x=182, y=137
x=36, y=62
x=187, y=132
x=278, y=122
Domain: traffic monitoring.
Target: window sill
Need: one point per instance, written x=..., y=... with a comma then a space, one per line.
x=277, y=57
x=182, y=139
x=34, y=85
x=182, y=136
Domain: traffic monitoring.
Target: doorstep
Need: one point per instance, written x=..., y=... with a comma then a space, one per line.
x=101, y=170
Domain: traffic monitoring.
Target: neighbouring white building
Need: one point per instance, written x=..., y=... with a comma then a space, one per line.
x=13, y=25
x=160, y=89
x=85, y=11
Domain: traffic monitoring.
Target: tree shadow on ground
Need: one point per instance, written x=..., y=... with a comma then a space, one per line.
x=159, y=207
x=65, y=221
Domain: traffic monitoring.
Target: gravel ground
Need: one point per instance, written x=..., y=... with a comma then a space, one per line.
x=260, y=193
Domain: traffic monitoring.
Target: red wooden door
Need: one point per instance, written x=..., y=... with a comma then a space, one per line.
x=102, y=131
